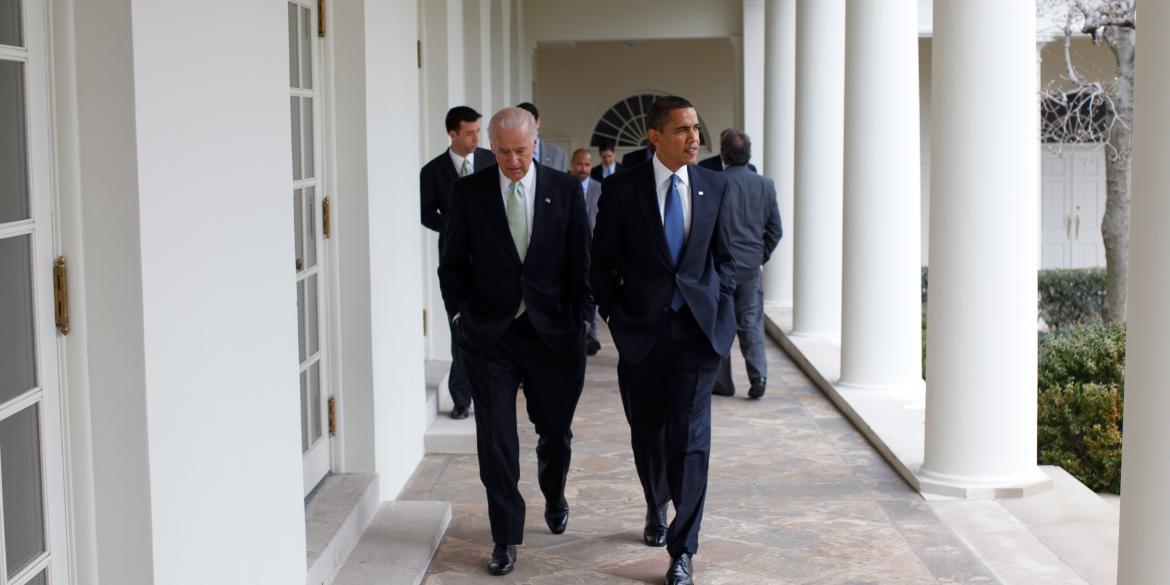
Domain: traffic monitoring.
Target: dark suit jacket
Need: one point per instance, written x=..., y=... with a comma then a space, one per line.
x=435, y=180
x=632, y=274
x=637, y=157
x=715, y=163
x=480, y=273
x=751, y=219
x=596, y=172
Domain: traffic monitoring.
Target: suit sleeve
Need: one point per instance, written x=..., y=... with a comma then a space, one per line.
x=720, y=253
x=603, y=271
x=455, y=263
x=430, y=202
x=772, y=229
x=577, y=260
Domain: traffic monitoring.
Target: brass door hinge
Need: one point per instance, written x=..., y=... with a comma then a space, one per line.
x=332, y=416
x=326, y=218
x=61, y=295
x=321, y=18
x=424, y=322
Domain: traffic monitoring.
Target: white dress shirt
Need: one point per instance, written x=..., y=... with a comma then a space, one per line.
x=662, y=183
x=458, y=160
x=528, y=181
x=607, y=171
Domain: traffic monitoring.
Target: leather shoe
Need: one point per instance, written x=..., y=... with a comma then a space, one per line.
x=557, y=518
x=720, y=390
x=592, y=346
x=679, y=572
x=460, y=412
x=654, y=534
x=503, y=559
x=757, y=389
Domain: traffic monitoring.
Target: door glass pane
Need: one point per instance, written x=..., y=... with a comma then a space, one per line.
x=307, y=114
x=293, y=63
x=295, y=104
x=17, y=351
x=306, y=48
x=301, y=320
x=310, y=228
x=304, y=412
x=39, y=579
x=314, y=403
x=20, y=468
x=299, y=229
x=311, y=306
x=10, y=20
x=13, y=143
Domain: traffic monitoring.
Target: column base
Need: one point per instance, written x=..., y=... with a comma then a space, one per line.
x=777, y=304
x=973, y=488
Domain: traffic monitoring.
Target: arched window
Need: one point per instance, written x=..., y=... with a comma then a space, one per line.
x=1079, y=116
x=624, y=123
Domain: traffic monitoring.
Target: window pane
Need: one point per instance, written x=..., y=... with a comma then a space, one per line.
x=10, y=20
x=20, y=466
x=311, y=300
x=315, y=403
x=39, y=579
x=13, y=143
x=310, y=228
x=304, y=412
x=299, y=228
x=18, y=363
x=307, y=114
x=301, y=320
x=306, y=48
x=293, y=64
x=295, y=104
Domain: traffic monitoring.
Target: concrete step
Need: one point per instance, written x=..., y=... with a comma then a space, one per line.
x=398, y=545
x=335, y=517
x=450, y=437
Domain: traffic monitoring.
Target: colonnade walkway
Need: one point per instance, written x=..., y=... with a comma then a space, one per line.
x=796, y=496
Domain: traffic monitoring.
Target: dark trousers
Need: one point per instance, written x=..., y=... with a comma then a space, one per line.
x=667, y=400
x=457, y=380
x=749, y=319
x=552, y=386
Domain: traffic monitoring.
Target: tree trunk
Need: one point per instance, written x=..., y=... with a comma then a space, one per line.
x=1115, y=224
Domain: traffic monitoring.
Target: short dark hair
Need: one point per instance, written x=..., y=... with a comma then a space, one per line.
x=735, y=148
x=661, y=108
x=604, y=146
x=530, y=108
x=458, y=115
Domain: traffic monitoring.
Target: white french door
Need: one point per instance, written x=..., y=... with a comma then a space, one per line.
x=307, y=199
x=32, y=492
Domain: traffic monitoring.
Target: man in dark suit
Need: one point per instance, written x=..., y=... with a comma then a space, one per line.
x=751, y=222
x=664, y=280
x=716, y=163
x=608, y=165
x=514, y=277
x=462, y=158
x=592, y=189
x=637, y=157
x=548, y=155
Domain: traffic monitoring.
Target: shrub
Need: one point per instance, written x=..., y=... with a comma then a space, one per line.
x=1091, y=354
x=1071, y=297
x=1080, y=430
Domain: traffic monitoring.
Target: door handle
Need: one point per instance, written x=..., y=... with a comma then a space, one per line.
x=1068, y=226
x=1078, y=226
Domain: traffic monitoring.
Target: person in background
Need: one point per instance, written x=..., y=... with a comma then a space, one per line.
x=549, y=155
x=592, y=189
x=609, y=165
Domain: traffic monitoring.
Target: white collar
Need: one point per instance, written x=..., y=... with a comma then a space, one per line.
x=662, y=174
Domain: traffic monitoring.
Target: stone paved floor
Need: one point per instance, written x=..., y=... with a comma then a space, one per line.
x=796, y=496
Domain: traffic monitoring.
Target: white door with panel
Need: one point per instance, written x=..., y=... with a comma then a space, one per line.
x=32, y=488
x=1073, y=205
x=309, y=210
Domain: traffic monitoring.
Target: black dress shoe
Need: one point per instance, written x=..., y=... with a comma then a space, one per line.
x=557, y=518
x=721, y=390
x=757, y=389
x=654, y=534
x=592, y=346
x=679, y=572
x=503, y=559
x=460, y=412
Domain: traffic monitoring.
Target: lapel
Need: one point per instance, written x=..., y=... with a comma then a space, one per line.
x=648, y=201
x=448, y=167
x=497, y=215
x=540, y=208
x=702, y=213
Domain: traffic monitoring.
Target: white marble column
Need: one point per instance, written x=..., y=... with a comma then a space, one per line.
x=820, y=95
x=753, y=77
x=881, y=340
x=1145, y=510
x=981, y=369
x=779, y=122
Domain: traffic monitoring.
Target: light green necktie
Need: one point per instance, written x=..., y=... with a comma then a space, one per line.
x=518, y=218
x=465, y=169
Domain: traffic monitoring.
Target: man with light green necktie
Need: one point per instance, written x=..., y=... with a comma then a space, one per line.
x=514, y=277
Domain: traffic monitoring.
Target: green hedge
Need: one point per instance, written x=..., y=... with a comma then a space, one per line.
x=1081, y=379
x=1071, y=297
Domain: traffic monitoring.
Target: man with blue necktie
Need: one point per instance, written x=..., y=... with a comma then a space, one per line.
x=609, y=164
x=664, y=279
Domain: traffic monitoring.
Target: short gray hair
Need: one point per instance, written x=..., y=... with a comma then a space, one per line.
x=512, y=119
